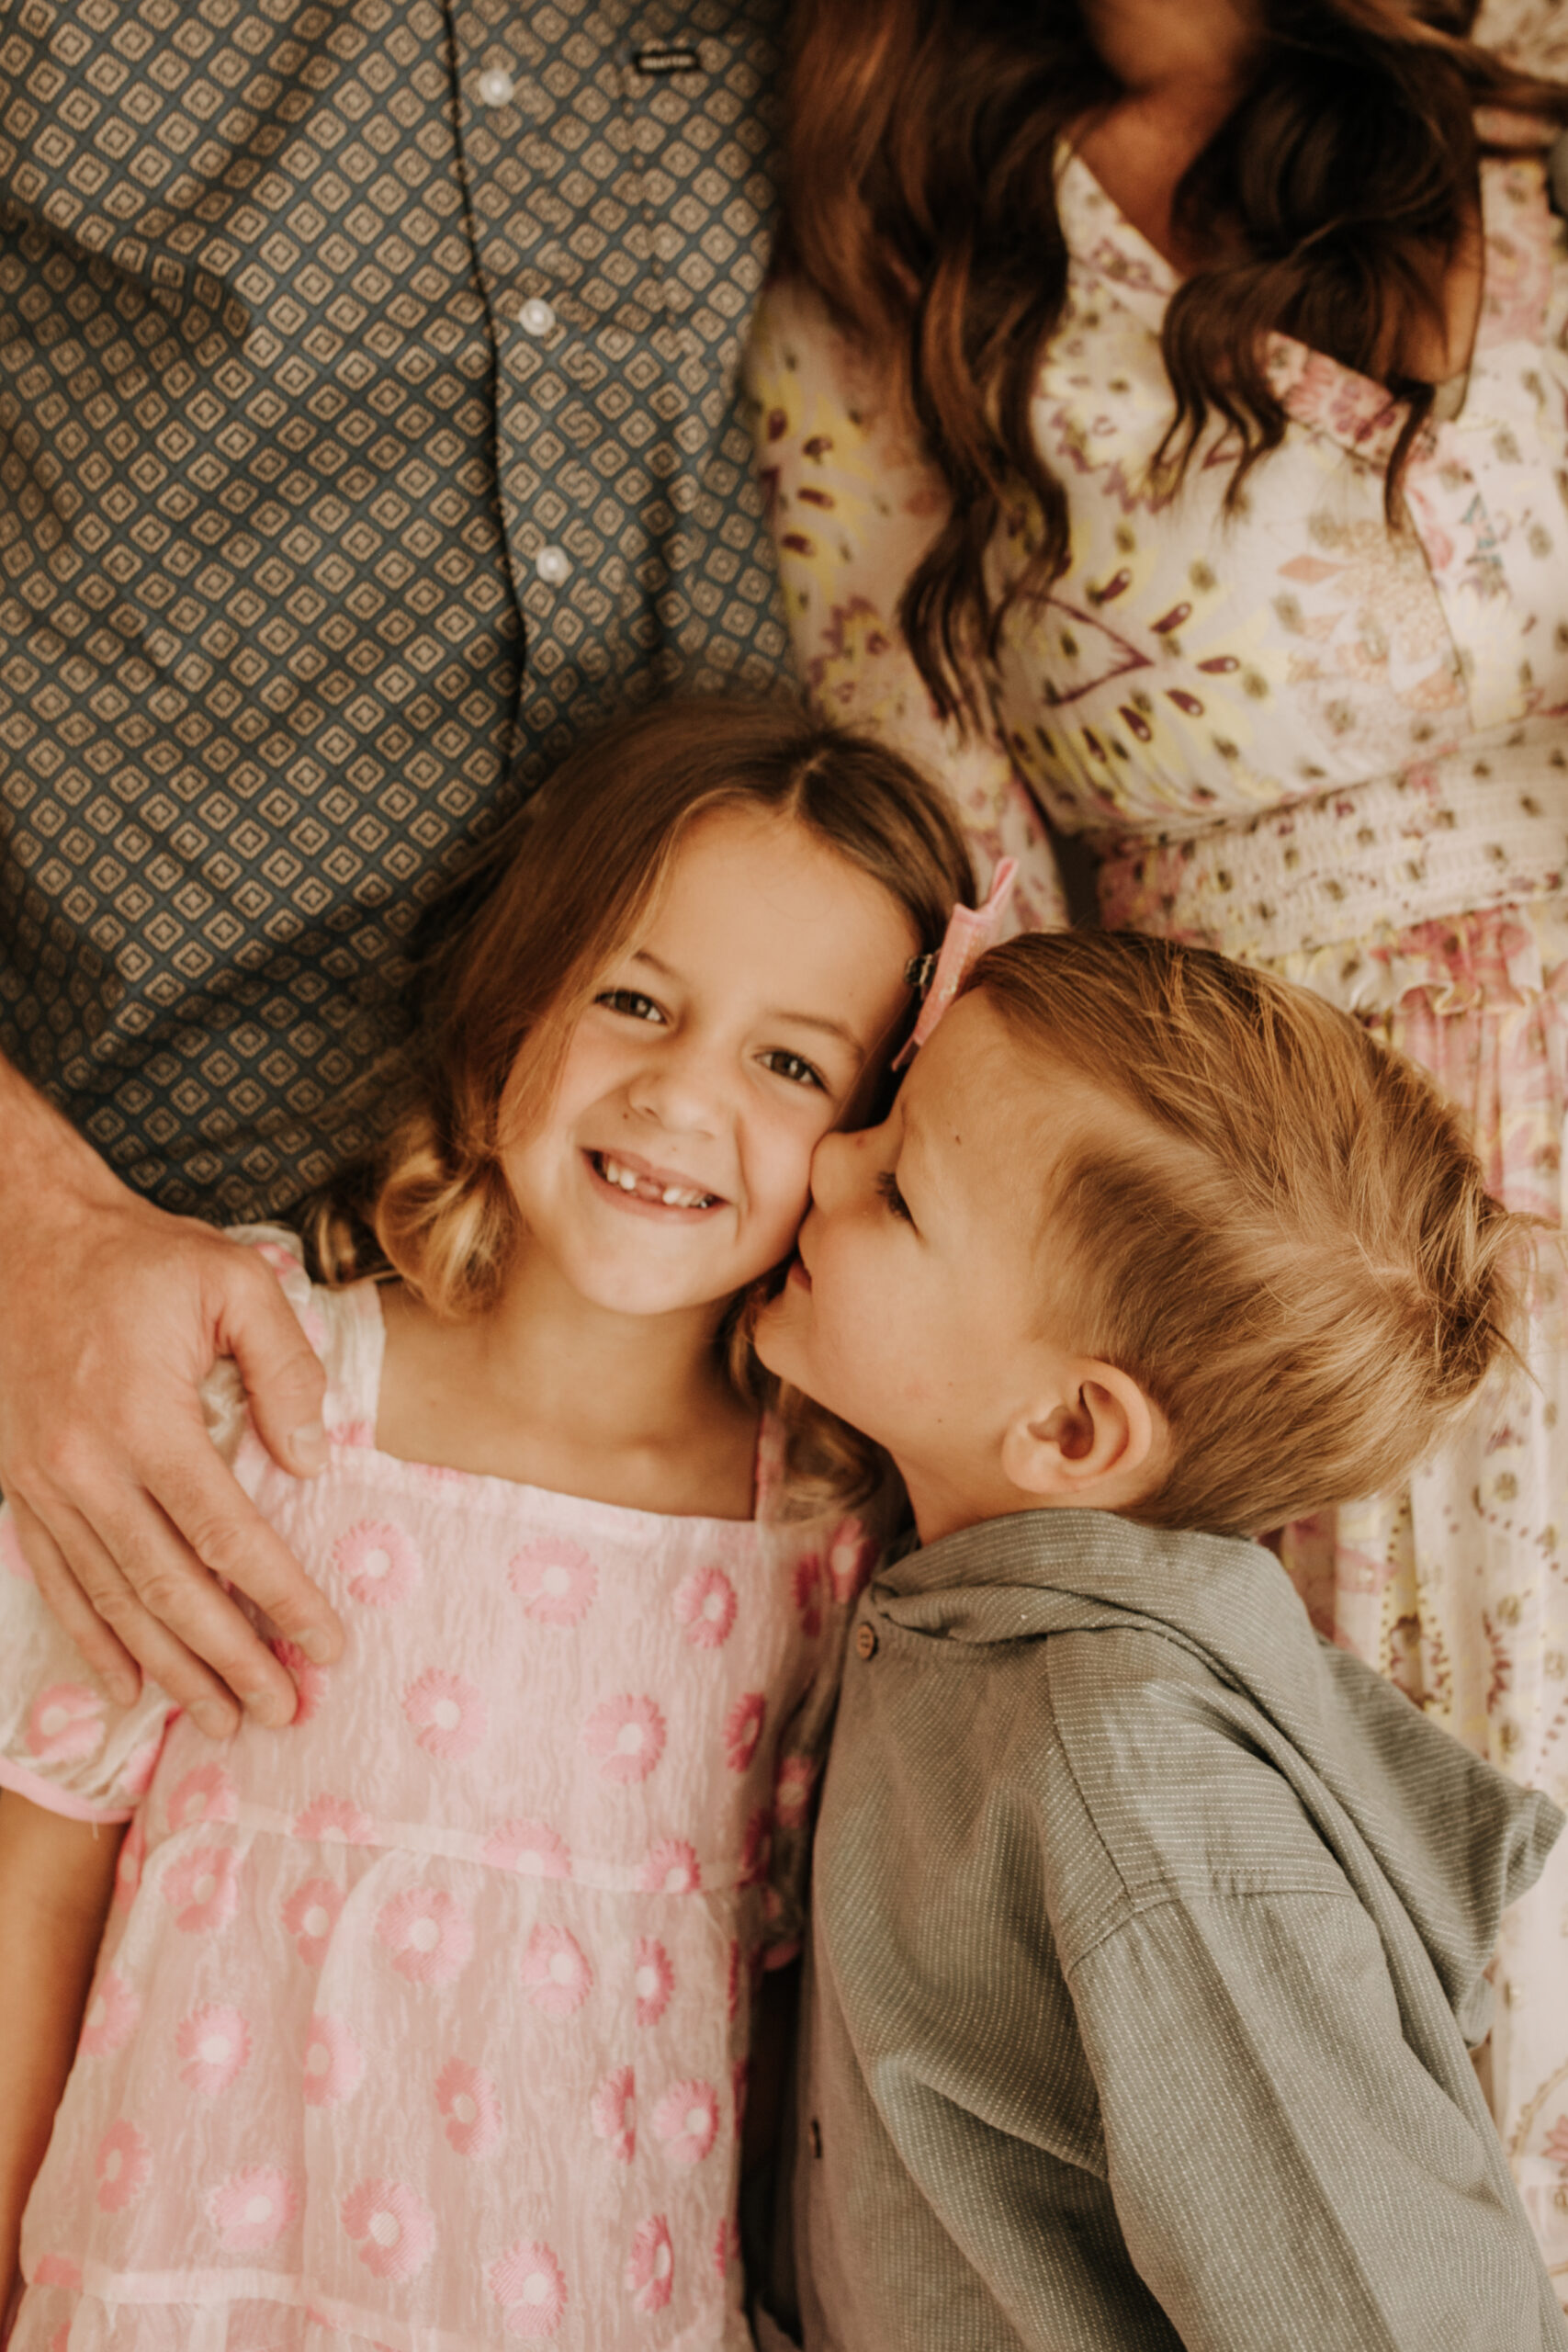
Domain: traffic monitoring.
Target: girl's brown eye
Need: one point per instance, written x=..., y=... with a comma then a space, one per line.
x=630, y=1002
x=887, y=1185
x=796, y=1069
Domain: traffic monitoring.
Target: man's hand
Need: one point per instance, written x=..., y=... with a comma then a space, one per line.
x=111, y=1315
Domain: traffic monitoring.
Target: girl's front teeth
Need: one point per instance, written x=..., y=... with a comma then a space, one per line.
x=671, y=1196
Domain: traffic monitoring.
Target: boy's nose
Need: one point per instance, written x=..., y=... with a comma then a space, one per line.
x=833, y=1169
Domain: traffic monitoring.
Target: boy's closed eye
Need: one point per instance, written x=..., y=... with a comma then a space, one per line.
x=893, y=1199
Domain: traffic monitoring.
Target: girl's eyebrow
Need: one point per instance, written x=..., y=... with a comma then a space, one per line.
x=773, y=1012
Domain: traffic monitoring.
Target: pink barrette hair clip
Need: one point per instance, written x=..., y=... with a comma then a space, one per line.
x=970, y=931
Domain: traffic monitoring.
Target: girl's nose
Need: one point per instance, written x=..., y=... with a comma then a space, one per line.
x=681, y=1087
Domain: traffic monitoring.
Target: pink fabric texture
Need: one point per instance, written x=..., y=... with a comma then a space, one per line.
x=423, y=2023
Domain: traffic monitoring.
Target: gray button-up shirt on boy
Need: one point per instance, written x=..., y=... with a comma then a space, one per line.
x=1148, y=1933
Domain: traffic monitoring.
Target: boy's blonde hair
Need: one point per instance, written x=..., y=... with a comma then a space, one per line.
x=566, y=886
x=1303, y=1267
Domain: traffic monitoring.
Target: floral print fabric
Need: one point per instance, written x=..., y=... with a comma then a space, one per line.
x=1297, y=736
x=424, y=2023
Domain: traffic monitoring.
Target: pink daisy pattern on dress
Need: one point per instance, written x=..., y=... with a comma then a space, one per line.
x=530, y=2285
x=310, y=1680
x=334, y=1820
x=686, y=2120
x=614, y=2114
x=202, y=1888
x=743, y=1729
x=57, y=2270
x=851, y=1556
x=112, y=2015
x=334, y=2064
x=529, y=1848
x=470, y=2107
x=627, y=1734
x=391, y=2226
x=446, y=1712
x=428, y=1933
x=705, y=1603
x=128, y=1870
x=378, y=1562
x=807, y=1583
x=670, y=1869
x=214, y=2044
x=135, y=1774
x=555, y=1580
x=726, y=2247
x=65, y=1723
x=653, y=1979
x=310, y=1914
x=122, y=2166
x=556, y=1972
x=650, y=2266
x=251, y=2210
x=793, y=1784
x=757, y=1848
x=206, y=1795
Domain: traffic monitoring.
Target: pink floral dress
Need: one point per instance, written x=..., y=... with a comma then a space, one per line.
x=1325, y=748
x=423, y=2023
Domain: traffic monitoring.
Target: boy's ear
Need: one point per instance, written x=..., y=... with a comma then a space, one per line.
x=1098, y=1440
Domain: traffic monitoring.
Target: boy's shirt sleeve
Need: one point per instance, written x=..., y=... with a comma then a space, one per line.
x=65, y=1743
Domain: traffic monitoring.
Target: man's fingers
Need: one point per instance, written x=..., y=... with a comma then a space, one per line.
x=222, y=1527
x=282, y=1373
x=109, y=1658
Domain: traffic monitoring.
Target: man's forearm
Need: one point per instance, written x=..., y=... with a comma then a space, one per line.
x=56, y=1878
x=38, y=1146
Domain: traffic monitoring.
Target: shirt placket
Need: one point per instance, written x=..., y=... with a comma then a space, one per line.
x=615, y=158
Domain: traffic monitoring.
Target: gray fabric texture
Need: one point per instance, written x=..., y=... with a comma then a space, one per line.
x=1149, y=1933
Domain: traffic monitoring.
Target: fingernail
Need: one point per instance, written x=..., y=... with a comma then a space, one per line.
x=266, y=1707
x=215, y=1721
x=307, y=1446
x=317, y=1645
x=124, y=1689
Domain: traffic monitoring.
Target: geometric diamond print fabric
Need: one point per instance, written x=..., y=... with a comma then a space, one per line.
x=368, y=429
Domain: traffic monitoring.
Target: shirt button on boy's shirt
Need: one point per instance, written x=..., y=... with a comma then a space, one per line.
x=865, y=1640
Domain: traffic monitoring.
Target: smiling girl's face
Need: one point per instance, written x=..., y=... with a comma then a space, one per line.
x=673, y=1163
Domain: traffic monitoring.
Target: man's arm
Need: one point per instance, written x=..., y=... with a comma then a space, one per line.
x=56, y=1877
x=111, y=1315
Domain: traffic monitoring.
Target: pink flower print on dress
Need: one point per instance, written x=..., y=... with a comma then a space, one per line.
x=334, y=2064
x=378, y=1562
x=57, y=2270
x=556, y=1972
x=705, y=1603
x=650, y=2266
x=310, y=1914
x=793, y=1784
x=335, y=1820
x=809, y=1594
x=202, y=1888
x=65, y=1723
x=13, y=1559
x=391, y=2226
x=252, y=2209
x=653, y=1979
x=756, y=1849
x=726, y=2247
x=670, y=1869
x=123, y=2167
x=281, y=1259
x=111, y=2017
x=428, y=1934
x=851, y=1556
x=447, y=1715
x=530, y=1849
x=469, y=2101
x=135, y=1774
x=128, y=1870
x=612, y=2112
x=627, y=1735
x=554, y=1579
x=530, y=2285
x=206, y=1795
x=743, y=1729
x=310, y=1680
x=214, y=2044
x=686, y=2120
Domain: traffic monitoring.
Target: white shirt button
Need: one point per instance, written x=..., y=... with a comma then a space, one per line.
x=497, y=87
x=535, y=316
x=552, y=564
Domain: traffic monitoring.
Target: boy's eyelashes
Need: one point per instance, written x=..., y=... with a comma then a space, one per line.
x=639, y=1006
x=887, y=1186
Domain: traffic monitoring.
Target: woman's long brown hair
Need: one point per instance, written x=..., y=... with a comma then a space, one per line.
x=921, y=203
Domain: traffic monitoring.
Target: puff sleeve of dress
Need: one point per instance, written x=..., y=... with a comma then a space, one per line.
x=65, y=1743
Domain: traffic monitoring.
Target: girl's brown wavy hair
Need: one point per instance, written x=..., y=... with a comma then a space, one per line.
x=560, y=895
x=921, y=203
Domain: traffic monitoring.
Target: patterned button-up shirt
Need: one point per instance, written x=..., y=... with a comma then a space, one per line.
x=366, y=429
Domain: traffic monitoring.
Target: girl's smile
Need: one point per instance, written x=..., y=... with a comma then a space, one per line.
x=649, y=1192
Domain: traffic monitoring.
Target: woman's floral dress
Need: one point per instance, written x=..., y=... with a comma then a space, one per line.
x=423, y=2023
x=1329, y=748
